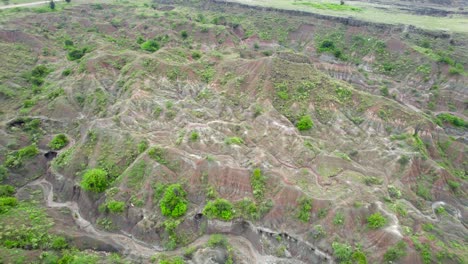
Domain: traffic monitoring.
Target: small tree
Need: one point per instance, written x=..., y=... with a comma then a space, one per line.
x=94, y=180
x=184, y=34
x=376, y=220
x=68, y=1
x=174, y=203
x=52, y=4
x=305, y=123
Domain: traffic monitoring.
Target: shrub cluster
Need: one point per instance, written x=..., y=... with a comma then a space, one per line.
x=174, y=202
x=219, y=208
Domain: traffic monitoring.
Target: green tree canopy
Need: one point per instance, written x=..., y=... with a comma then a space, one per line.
x=95, y=180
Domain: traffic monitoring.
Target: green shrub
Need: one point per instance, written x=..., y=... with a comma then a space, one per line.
x=142, y=146
x=58, y=142
x=59, y=243
x=454, y=185
x=150, y=45
x=217, y=240
x=338, y=219
x=196, y=55
x=423, y=192
x=403, y=160
x=184, y=34
x=359, y=257
x=3, y=173
x=95, y=180
x=194, y=136
x=247, y=209
x=68, y=43
x=76, y=54
x=7, y=190
x=376, y=220
x=457, y=69
x=234, y=141
x=305, y=123
x=258, y=181
x=453, y=120
x=342, y=252
x=17, y=158
x=6, y=203
x=395, y=252
x=157, y=153
x=305, y=205
x=394, y=192
x=219, y=208
x=174, y=202
x=116, y=206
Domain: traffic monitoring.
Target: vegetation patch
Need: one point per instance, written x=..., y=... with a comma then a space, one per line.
x=258, y=182
x=376, y=220
x=17, y=158
x=95, y=180
x=305, y=207
x=329, y=6
x=116, y=206
x=58, y=142
x=305, y=123
x=174, y=202
x=453, y=120
x=219, y=208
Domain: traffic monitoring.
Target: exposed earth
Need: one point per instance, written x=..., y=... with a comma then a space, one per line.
x=233, y=132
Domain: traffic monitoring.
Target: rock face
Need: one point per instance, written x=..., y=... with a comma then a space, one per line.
x=302, y=131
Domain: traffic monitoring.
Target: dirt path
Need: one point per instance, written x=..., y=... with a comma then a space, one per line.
x=27, y=4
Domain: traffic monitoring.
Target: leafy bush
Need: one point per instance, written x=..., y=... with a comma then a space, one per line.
x=403, y=160
x=338, y=219
x=452, y=119
x=174, y=202
x=3, y=173
x=376, y=220
x=116, y=206
x=248, y=209
x=217, y=240
x=196, y=55
x=234, y=140
x=76, y=54
x=59, y=243
x=194, y=136
x=58, y=142
x=184, y=34
x=94, y=180
x=394, y=192
x=453, y=185
x=219, y=208
x=17, y=158
x=423, y=192
x=343, y=252
x=457, y=69
x=395, y=252
x=142, y=146
x=305, y=205
x=7, y=190
x=150, y=45
x=6, y=203
x=330, y=47
x=305, y=123
x=157, y=153
x=257, y=181
x=68, y=43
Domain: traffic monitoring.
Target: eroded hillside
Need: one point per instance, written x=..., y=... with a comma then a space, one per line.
x=202, y=131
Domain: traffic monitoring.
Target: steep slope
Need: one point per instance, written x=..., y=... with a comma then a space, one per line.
x=218, y=107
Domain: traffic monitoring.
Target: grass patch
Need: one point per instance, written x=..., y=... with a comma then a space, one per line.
x=329, y=6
